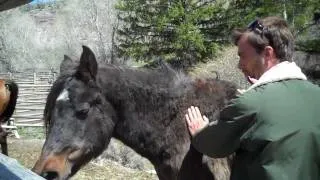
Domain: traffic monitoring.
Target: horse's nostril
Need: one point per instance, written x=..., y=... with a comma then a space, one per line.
x=50, y=175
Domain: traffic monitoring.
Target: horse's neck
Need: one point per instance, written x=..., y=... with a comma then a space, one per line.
x=148, y=113
x=152, y=131
x=110, y=84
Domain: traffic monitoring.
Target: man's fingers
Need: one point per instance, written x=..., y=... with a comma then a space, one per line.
x=188, y=120
x=190, y=125
x=198, y=113
x=195, y=121
x=190, y=113
x=194, y=113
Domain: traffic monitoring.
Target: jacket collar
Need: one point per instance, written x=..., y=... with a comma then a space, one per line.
x=283, y=71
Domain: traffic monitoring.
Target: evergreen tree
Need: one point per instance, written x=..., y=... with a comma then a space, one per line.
x=182, y=32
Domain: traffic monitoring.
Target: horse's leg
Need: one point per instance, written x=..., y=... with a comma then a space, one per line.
x=165, y=172
x=4, y=146
x=3, y=142
x=193, y=167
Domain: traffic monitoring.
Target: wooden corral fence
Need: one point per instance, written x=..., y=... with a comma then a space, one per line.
x=33, y=90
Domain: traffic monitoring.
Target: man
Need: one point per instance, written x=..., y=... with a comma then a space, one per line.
x=274, y=126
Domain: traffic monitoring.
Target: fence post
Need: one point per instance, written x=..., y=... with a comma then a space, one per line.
x=10, y=75
x=34, y=78
x=54, y=76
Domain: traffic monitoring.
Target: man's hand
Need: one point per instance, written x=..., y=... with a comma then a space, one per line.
x=195, y=121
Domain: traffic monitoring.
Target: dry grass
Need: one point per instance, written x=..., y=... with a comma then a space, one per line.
x=225, y=64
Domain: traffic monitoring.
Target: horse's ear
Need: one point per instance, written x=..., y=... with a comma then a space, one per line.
x=66, y=64
x=88, y=66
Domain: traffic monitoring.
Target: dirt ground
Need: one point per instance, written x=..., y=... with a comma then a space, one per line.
x=26, y=151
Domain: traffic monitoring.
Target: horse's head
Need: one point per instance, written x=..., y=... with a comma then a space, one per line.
x=78, y=118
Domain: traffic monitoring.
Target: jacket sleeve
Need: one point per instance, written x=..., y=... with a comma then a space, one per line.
x=222, y=139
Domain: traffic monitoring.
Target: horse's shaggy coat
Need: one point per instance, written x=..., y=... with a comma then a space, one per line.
x=143, y=108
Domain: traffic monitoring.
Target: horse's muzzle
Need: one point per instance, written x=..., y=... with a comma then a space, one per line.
x=53, y=167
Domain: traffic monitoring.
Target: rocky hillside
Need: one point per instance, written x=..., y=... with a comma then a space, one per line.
x=310, y=64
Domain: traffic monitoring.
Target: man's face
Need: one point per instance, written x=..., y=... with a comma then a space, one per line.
x=251, y=63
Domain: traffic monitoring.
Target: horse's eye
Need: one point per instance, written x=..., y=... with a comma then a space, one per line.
x=82, y=114
x=98, y=100
x=82, y=111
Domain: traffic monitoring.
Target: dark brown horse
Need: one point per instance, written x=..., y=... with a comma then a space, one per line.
x=8, y=100
x=87, y=105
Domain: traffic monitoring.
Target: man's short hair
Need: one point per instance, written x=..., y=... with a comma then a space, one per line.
x=270, y=31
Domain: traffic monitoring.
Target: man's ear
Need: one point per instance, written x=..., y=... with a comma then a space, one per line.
x=270, y=53
x=270, y=57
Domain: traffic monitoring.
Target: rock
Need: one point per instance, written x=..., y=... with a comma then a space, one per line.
x=309, y=62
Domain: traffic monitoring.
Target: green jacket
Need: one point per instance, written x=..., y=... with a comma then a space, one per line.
x=273, y=128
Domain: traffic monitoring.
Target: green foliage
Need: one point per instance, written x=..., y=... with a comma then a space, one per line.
x=186, y=32
x=309, y=45
x=181, y=32
x=298, y=13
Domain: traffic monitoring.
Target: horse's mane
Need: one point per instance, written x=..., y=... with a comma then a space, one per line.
x=162, y=80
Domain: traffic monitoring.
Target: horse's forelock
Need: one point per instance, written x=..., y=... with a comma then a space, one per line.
x=55, y=91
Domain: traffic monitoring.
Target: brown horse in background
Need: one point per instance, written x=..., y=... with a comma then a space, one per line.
x=8, y=100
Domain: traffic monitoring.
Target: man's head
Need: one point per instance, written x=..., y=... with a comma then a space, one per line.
x=263, y=44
